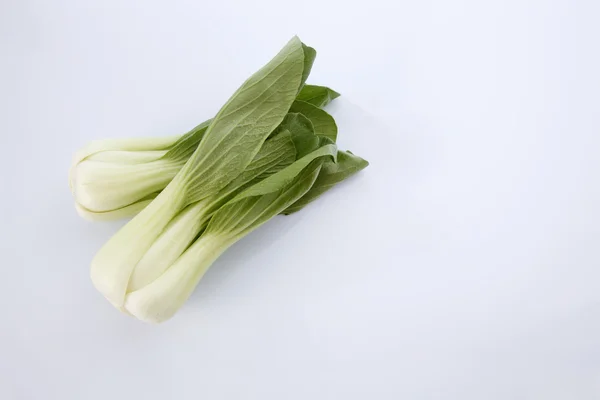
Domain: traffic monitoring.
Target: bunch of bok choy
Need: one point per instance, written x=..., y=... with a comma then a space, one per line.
x=271, y=149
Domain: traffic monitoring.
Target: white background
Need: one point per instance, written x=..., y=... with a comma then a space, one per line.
x=464, y=263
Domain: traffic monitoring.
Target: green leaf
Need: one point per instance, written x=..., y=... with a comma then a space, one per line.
x=316, y=95
x=331, y=174
x=276, y=154
x=295, y=140
x=239, y=129
x=262, y=201
x=323, y=123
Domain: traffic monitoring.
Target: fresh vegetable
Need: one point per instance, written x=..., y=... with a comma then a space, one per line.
x=230, y=143
x=269, y=150
x=117, y=178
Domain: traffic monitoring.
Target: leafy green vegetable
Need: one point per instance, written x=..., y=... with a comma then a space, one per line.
x=230, y=143
x=113, y=179
x=269, y=150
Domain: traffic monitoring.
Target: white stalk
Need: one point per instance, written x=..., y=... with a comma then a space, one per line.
x=100, y=186
x=161, y=299
x=114, y=263
x=173, y=241
x=116, y=178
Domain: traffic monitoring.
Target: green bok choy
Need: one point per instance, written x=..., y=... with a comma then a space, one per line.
x=269, y=150
x=117, y=178
x=230, y=143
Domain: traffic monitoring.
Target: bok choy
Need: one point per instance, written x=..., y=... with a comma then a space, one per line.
x=271, y=149
x=117, y=178
x=230, y=143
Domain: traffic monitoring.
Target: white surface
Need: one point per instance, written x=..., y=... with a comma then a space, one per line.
x=464, y=263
